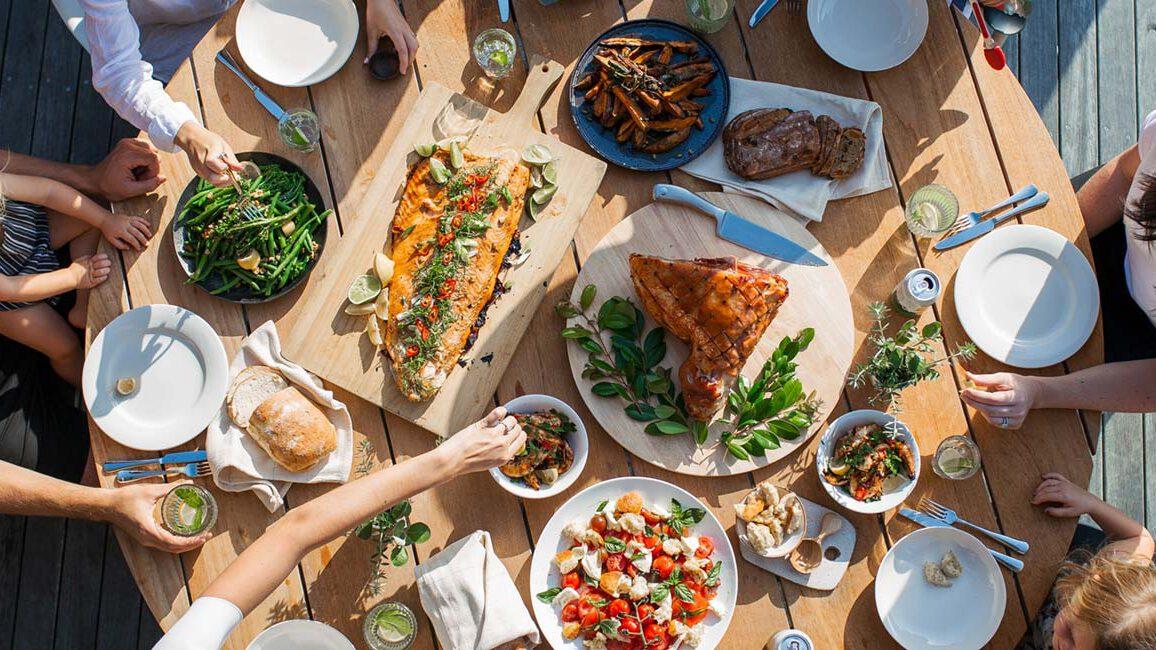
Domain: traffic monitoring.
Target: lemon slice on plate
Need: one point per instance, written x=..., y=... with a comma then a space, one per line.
x=364, y=288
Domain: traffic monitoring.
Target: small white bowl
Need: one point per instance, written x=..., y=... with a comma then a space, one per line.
x=782, y=550
x=578, y=442
x=844, y=424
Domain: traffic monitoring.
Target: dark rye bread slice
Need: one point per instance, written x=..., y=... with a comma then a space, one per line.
x=753, y=122
x=828, y=162
x=764, y=143
x=849, y=154
x=828, y=134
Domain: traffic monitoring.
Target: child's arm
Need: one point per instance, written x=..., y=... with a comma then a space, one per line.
x=1128, y=535
x=131, y=169
x=84, y=273
x=122, y=231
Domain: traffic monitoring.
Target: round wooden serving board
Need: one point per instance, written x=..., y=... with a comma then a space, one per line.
x=818, y=298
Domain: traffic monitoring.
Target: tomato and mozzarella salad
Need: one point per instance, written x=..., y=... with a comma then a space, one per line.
x=636, y=577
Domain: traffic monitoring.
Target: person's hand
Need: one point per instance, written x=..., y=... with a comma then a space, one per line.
x=90, y=270
x=1070, y=499
x=132, y=512
x=126, y=232
x=208, y=153
x=383, y=18
x=131, y=169
x=1003, y=398
x=485, y=444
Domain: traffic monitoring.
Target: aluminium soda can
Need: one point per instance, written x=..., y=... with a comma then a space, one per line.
x=917, y=291
x=791, y=639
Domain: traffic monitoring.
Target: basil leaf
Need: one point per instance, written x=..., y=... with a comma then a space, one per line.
x=614, y=545
x=601, y=505
x=684, y=593
x=549, y=595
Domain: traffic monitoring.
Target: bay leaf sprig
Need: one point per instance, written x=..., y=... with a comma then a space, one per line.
x=391, y=532
x=771, y=407
x=625, y=361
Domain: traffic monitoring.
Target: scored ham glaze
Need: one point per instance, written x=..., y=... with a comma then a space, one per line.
x=448, y=244
x=720, y=307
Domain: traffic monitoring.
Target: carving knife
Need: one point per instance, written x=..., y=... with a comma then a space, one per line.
x=738, y=230
x=928, y=521
x=987, y=225
x=762, y=10
x=175, y=458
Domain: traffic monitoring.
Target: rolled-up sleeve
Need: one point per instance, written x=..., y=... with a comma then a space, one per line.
x=124, y=79
x=205, y=626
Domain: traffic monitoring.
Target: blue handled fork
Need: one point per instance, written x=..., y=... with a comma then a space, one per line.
x=191, y=470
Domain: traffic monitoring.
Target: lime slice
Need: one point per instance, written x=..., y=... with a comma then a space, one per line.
x=957, y=466
x=392, y=626
x=537, y=154
x=438, y=171
x=456, y=157
x=536, y=177
x=543, y=196
x=550, y=172
x=837, y=467
x=125, y=385
x=534, y=209
x=445, y=143
x=363, y=309
x=500, y=58
x=712, y=9
x=364, y=288
x=426, y=149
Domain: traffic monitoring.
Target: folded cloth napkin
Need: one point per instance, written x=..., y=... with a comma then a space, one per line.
x=801, y=192
x=240, y=464
x=470, y=598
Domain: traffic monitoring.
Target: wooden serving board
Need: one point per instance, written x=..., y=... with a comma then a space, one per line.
x=818, y=298
x=839, y=545
x=334, y=346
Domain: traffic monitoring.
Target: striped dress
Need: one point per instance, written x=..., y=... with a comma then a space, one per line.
x=25, y=248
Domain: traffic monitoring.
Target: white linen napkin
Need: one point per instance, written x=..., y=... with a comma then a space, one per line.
x=801, y=192
x=240, y=464
x=470, y=599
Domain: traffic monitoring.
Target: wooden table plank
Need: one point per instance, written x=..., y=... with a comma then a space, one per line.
x=1039, y=68
x=1077, y=85
x=1115, y=31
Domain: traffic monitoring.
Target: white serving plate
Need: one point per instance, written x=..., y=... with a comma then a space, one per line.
x=544, y=573
x=868, y=35
x=892, y=497
x=296, y=42
x=921, y=616
x=1027, y=296
x=180, y=368
x=578, y=440
x=301, y=634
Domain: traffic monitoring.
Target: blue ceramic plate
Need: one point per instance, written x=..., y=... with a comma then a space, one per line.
x=601, y=139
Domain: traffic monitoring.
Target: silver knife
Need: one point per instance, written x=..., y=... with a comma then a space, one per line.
x=262, y=97
x=175, y=458
x=762, y=10
x=734, y=228
x=987, y=225
x=927, y=521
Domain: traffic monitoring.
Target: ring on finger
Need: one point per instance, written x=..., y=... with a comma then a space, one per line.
x=1004, y=422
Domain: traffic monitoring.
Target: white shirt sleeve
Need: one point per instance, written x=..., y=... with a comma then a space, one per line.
x=204, y=627
x=124, y=79
x=1148, y=136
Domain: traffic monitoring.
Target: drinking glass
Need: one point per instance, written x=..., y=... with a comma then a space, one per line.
x=957, y=458
x=708, y=16
x=187, y=510
x=494, y=50
x=390, y=626
x=931, y=210
x=300, y=129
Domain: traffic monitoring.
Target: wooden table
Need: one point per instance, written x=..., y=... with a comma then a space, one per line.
x=947, y=118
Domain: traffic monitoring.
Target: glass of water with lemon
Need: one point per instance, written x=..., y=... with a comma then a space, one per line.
x=931, y=210
x=709, y=16
x=390, y=626
x=957, y=458
x=494, y=50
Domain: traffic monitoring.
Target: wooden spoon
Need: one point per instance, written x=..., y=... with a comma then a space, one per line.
x=808, y=555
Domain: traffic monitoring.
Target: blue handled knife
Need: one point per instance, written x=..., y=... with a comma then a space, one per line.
x=762, y=10
x=928, y=521
x=987, y=225
x=504, y=10
x=738, y=230
x=175, y=458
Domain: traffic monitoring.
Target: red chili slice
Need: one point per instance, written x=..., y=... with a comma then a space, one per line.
x=411, y=351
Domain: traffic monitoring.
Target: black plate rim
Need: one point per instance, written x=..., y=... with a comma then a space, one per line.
x=661, y=164
x=246, y=297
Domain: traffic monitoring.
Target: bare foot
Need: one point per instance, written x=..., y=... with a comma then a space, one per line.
x=78, y=315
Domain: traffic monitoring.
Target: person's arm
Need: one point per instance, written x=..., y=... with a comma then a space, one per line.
x=122, y=231
x=1102, y=196
x=1123, y=387
x=84, y=273
x=131, y=169
x=130, y=508
x=1069, y=500
x=265, y=563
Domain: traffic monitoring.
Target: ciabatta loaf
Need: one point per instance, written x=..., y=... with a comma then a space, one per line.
x=252, y=386
x=292, y=430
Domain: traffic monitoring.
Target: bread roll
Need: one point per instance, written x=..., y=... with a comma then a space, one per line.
x=252, y=386
x=292, y=430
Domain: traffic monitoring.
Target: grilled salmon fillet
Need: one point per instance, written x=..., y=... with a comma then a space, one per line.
x=448, y=244
x=720, y=307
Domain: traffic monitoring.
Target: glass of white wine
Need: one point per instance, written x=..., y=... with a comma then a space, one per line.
x=957, y=458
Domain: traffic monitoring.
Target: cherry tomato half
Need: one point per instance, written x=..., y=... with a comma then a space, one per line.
x=570, y=612
x=571, y=580
x=705, y=546
x=598, y=523
x=616, y=562
x=617, y=607
x=663, y=566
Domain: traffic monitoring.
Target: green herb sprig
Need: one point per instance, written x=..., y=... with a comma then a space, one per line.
x=904, y=360
x=391, y=532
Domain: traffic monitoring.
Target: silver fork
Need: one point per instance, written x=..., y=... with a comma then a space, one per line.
x=948, y=515
x=970, y=219
x=191, y=470
x=245, y=203
x=795, y=7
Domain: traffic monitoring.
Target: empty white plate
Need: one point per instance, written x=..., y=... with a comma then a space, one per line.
x=296, y=42
x=300, y=634
x=1027, y=296
x=922, y=616
x=868, y=35
x=180, y=369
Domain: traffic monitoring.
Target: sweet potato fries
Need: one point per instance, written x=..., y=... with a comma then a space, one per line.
x=639, y=90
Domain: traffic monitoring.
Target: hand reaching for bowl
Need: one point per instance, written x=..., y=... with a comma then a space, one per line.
x=208, y=153
x=383, y=18
x=485, y=444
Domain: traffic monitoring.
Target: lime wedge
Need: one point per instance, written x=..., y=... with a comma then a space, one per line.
x=536, y=177
x=543, y=196
x=392, y=626
x=712, y=9
x=500, y=58
x=550, y=172
x=456, y=158
x=957, y=466
x=426, y=149
x=537, y=154
x=364, y=288
x=438, y=171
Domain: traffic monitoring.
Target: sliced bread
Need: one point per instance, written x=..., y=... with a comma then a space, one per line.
x=253, y=386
